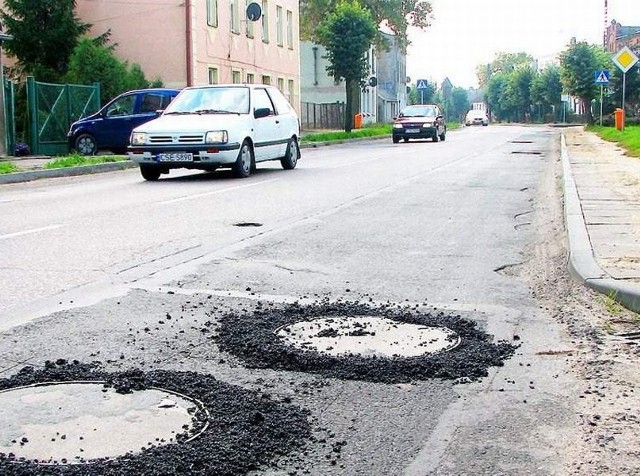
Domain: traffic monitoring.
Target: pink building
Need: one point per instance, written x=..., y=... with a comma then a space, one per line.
x=192, y=42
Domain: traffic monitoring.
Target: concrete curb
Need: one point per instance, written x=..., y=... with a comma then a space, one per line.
x=30, y=175
x=582, y=263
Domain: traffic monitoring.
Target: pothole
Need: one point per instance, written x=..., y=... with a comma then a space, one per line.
x=367, y=336
x=75, y=422
x=359, y=341
x=247, y=224
x=135, y=422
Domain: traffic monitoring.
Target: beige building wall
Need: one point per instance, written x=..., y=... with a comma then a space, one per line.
x=191, y=42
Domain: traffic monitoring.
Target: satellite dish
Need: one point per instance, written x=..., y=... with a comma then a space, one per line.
x=254, y=11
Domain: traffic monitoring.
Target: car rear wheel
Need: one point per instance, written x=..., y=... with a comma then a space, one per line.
x=150, y=173
x=395, y=139
x=244, y=163
x=443, y=136
x=406, y=139
x=290, y=158
x=86, y=144
x=435, y=137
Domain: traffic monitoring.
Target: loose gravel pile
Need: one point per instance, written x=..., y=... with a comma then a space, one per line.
x=246, y=429
x=251, y=336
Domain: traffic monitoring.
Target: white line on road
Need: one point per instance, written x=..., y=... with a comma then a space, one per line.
x=29, y=232
x=214, y=192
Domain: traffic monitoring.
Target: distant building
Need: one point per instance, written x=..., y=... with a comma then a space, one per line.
x=392, y=79
x=322, y=97
x=618, y=36
x=207, y=42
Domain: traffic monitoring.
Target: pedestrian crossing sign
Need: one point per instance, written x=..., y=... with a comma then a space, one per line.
x=421, y=84
x=602, y=77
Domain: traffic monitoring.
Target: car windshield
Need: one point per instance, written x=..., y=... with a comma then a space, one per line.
x=211, y=100
x=417, y=111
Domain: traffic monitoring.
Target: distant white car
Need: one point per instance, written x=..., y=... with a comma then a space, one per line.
x=476, y=117
x=207, y=127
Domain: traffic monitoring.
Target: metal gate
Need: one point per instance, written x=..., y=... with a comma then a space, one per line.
x=53, y=108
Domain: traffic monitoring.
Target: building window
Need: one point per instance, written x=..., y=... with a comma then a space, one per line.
x=279, y=39
x=235, y=18
x=236, y=76
x=265, y=21
x=281, y=84
x=290, y=29
x=266, y=79
x=291, y=92
x=249, y=29
x=251, y=78
x=213, y=75
x=212, y=13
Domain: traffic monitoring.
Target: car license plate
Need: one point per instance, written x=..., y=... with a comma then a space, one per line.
x=176, y=157
x=413, y=131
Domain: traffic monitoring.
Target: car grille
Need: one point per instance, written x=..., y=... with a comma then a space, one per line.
x=176, y=139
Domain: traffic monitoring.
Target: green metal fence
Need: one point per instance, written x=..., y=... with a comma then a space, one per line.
x=9, y=115
x=53, y=108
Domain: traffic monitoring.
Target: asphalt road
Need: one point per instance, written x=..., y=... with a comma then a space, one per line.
x=89, y=261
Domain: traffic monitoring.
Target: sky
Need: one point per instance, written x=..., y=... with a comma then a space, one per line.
x=466, y=33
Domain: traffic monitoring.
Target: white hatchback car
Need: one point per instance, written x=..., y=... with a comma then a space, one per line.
x=207, y=127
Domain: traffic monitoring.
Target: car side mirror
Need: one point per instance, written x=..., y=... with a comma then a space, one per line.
x=261, y=112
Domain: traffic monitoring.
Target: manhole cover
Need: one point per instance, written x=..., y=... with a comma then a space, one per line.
x=336, y=339
x=77, y=421
x=367, y=336
x=155, y=422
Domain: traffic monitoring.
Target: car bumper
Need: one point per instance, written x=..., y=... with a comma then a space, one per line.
x=415, y=133
x=192, y=157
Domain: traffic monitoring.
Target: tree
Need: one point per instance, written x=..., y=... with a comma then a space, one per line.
x=579, y=62
x=347, y=59
x=44, y=35
x=397, y=15
x=503, y=63
x=546, y=91
x=92, y=61
x=459, y=104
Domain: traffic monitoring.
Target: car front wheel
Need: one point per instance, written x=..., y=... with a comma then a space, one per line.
x=86, y=144
x=395, y=139
x=435, y=137
x=290, y=158
x=244, y=163
x=150, y=173
x=443, y=136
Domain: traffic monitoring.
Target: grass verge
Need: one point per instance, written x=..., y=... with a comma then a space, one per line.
x=8, y=168
x=371, y=130
x=629, y=139
x=75, y=160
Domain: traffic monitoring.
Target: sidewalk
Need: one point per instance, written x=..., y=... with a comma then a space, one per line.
x=602, y=212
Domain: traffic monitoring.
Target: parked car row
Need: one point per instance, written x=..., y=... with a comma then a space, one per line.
x=205, y=127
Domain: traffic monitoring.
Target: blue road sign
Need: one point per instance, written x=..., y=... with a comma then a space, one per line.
x=421, y=84
x=601, y=77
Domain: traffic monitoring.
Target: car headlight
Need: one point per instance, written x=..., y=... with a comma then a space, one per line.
x=138, y=138
x=397, y=126
x=216, y=137
x=427, y=124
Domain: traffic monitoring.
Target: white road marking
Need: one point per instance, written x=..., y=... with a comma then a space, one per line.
x=29, y=232
x=215, y=192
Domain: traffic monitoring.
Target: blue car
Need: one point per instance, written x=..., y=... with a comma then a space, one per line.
x=111, y=126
